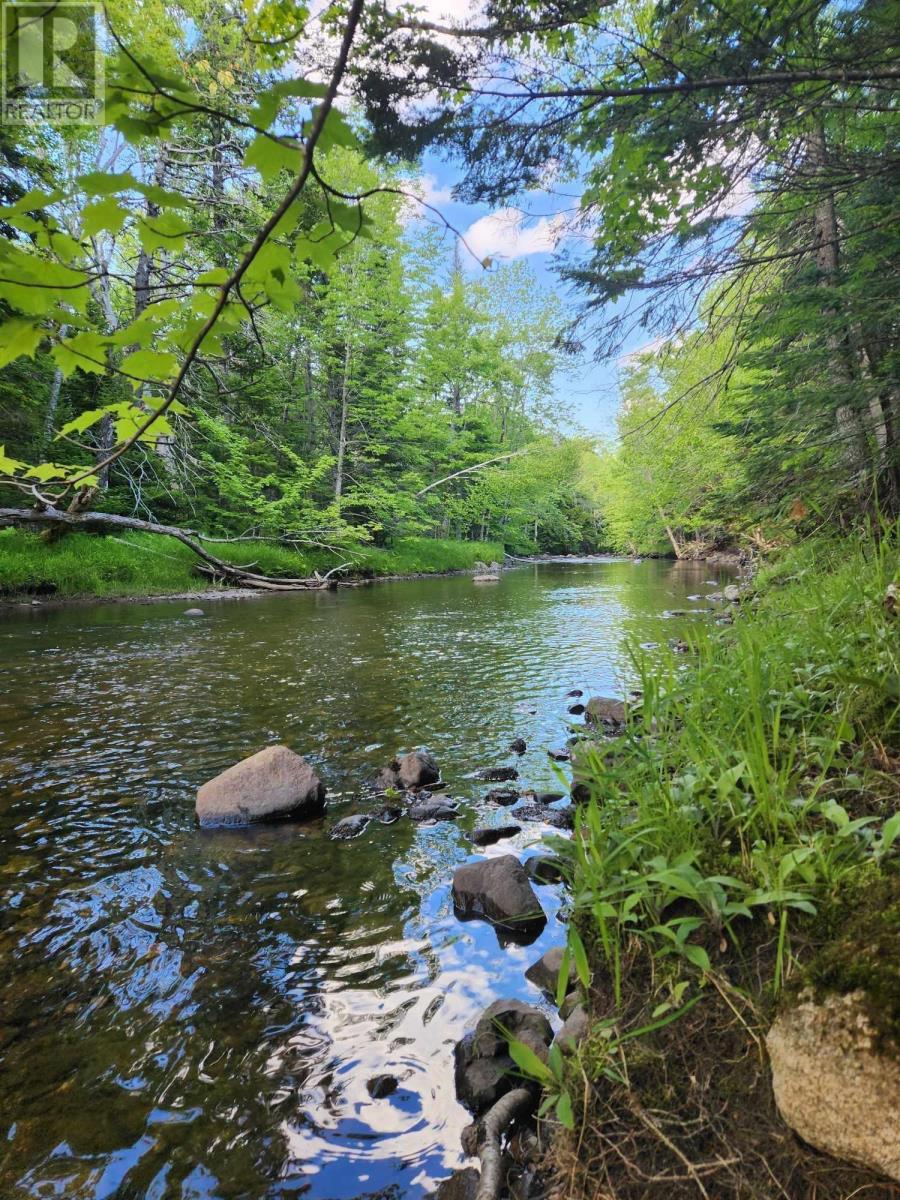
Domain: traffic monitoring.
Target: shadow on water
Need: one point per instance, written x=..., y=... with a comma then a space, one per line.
x=195, y=1013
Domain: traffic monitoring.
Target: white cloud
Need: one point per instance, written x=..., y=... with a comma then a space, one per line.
x=506, y=234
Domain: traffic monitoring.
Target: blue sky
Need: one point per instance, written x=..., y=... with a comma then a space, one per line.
x=591, y=390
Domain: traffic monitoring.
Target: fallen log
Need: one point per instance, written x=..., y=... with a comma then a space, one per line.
x=61, y=520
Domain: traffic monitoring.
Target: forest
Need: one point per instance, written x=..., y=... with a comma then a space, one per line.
x=243, y=345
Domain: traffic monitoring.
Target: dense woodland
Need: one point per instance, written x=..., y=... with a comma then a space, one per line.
x=321, y=349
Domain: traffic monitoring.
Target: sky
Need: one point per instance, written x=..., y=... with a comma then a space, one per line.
x=590, y=388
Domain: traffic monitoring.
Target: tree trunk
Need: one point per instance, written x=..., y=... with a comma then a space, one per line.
x=826, y=240
x=342, y=435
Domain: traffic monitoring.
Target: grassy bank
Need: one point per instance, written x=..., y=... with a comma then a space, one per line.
x=135, y=564
x=738, y=845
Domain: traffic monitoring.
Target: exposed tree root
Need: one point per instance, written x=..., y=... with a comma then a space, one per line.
x=485, y=1138
x=216, y=568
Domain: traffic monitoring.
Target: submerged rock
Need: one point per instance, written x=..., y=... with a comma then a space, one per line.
x=350, y=827
x=389, y=814
x=274, y=784
x=832, y=1084
x=574, y=694
x=417, y=769
x=380, y=1086
x=559, y=818
x=504, y=796
x=499, y=891
x=434, y=810
x=486, y=835
x=461, y=1185
x=575, y=710
x=518, y=745
x=193, y=612
x=498, y=774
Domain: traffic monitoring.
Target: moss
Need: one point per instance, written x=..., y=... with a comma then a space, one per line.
x=862, y=949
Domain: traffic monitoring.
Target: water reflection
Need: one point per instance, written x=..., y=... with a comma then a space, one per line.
x=196, y=1014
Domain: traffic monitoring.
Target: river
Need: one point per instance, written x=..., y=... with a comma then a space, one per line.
x=193, y=1013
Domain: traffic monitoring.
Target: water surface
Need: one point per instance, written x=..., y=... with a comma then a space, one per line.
x=189, y=1013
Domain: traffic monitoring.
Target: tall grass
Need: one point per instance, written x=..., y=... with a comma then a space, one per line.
x=753, y=781
x=82, y=564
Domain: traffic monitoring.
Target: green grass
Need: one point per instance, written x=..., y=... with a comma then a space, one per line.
x=724, y=844
x=134, y=564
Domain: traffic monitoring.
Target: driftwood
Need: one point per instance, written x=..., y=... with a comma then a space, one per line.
x=211, y=566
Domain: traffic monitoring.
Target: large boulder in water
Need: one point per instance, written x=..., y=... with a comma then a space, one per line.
x=605, y=712
x=268, y=786
x=417, y=769
x=499, y=891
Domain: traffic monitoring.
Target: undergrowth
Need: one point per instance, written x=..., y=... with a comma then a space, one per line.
x=725, y=842
x=87, y=564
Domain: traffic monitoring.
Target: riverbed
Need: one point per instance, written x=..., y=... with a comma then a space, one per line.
x=192, y=1013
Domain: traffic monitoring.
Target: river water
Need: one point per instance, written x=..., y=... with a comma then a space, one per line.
x=189, y=1013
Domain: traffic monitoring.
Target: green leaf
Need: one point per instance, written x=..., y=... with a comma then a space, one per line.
x=269, y=157
x=149, y=366
x=890, y=831
x=580, y=956
x=80, y=423
x=528, y=1062
x=163, y=232
x=9, y=466
x=564, y=1112
x=269, y=101
x=103, y=214
x=85, y=351
x=18, y=336
x=336, y=132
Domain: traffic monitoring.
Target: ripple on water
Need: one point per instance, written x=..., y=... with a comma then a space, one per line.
x=191, y=1013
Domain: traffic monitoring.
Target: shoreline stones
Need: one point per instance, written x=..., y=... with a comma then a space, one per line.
x=498, y=890
x=484, y=1070
x=271, y=785
x=544, y=973
x=603, y=711
x=434, y=810
x=417, y=769
x=545, y=868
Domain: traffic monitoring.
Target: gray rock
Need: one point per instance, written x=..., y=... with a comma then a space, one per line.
x=560, y=755
x=498, y=774
x=433, y=810
x=387, y=779
x=418, y=769
x=504, y=796
x=732, y=593
x=389, y=814
x=576, y=1028
x=480, y=1082
x=484, y=1070
x=486, y=835
x=271, y=785
x=194, y=612
x=544, y=973
x=518, y=745
x=601, y=710
x=545, y=868
x=575, y=694
x=559, y=818
x=511, y=1018
x=349, y=827
x=499, y=891
x=575, y=710
x=571, y=1001
x=548, y=797
x=461, y=1185
x=380, y=1086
